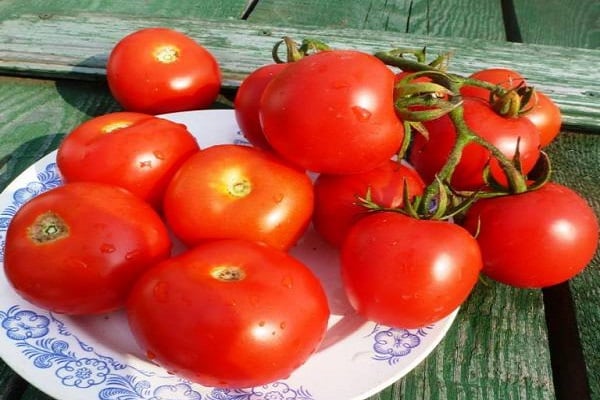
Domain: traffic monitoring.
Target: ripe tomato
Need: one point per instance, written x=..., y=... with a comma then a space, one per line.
x=247, y=100
x=408, y=273
x=78, y=248
x=159, y=70
x=337, y=206
x=429, y=155
x=138, y=152
x=534, y=239
x=229, y=313
x=506, y=78
x=546, y=116
x=333, y=112
x=233, y=191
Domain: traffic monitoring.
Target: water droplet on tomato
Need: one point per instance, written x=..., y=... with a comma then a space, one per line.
x=132, y=254
x=282, y=325
x=159, y=155
x=278, y=198
x=261, y=323
x=362, y=114
x=107, y=248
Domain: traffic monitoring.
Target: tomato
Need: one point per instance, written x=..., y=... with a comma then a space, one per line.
x=160, y=70
x=336, y=196
x=136, y=151
x=429, y=155
x=546, y=116
x=506, y=78
x=534, y=239
x=234, y=191
x=408, y=273
x=544, y=113
x=78, y=248
x=247, y=101
x=333, y=112
x=229, y=313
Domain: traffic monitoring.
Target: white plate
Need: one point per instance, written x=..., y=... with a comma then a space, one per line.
x=96, y=357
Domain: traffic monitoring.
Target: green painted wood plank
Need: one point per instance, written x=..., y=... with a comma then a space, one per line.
x=569, y=23
x=576, y=158
x=452, y=18
x=78, y=45
x=159, y=8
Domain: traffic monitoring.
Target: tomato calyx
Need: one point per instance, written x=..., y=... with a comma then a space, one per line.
x=295, y=51
x=48, y=227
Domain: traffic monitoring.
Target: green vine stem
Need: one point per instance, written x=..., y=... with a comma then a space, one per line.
x=509, y=100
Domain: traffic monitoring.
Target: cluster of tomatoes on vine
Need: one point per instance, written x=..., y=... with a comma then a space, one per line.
x=423, y=179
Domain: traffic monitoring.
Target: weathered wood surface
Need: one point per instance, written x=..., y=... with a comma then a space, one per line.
x=78, y=45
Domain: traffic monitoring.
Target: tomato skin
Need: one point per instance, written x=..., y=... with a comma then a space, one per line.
x=136, y=151
x=112, y=238
x=429, y=155
x=408, y=273
x=234, y=191
x=333, y=112
x=534, y=239
x=160, y=70
x=546, y=116
x=336, y=196
x=237, y=333
x=247, y=101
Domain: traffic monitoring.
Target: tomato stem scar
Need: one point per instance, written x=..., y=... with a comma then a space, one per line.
x=47, y=227
x=228, y=273
x=166, y=54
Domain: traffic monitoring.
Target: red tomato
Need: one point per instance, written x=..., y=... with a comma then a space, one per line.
x=138, y=152
x=229, y=313
x=78, y=248
x=534, y=239
x=159, y=70
x=504, y=77
x=546, y=116
x=408, y=273
x=247, y=102
x=337, y=206
x=333, y=112
x=232, y=191
x=429, y=155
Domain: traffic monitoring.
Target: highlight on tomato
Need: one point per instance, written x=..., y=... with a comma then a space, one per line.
x=160, y=70
x=229, y=313
x=235, y=191
x=78, y=248
x=136, y=151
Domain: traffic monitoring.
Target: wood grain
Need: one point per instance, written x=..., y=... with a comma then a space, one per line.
x=78, y=45
x=568, y=23
x=160, y=8
x=454, y=18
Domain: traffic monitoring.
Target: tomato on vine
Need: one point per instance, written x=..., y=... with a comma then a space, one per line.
x=333, y=112
x=534, y=239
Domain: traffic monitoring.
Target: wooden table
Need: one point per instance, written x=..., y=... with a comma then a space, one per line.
x=505, y=343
